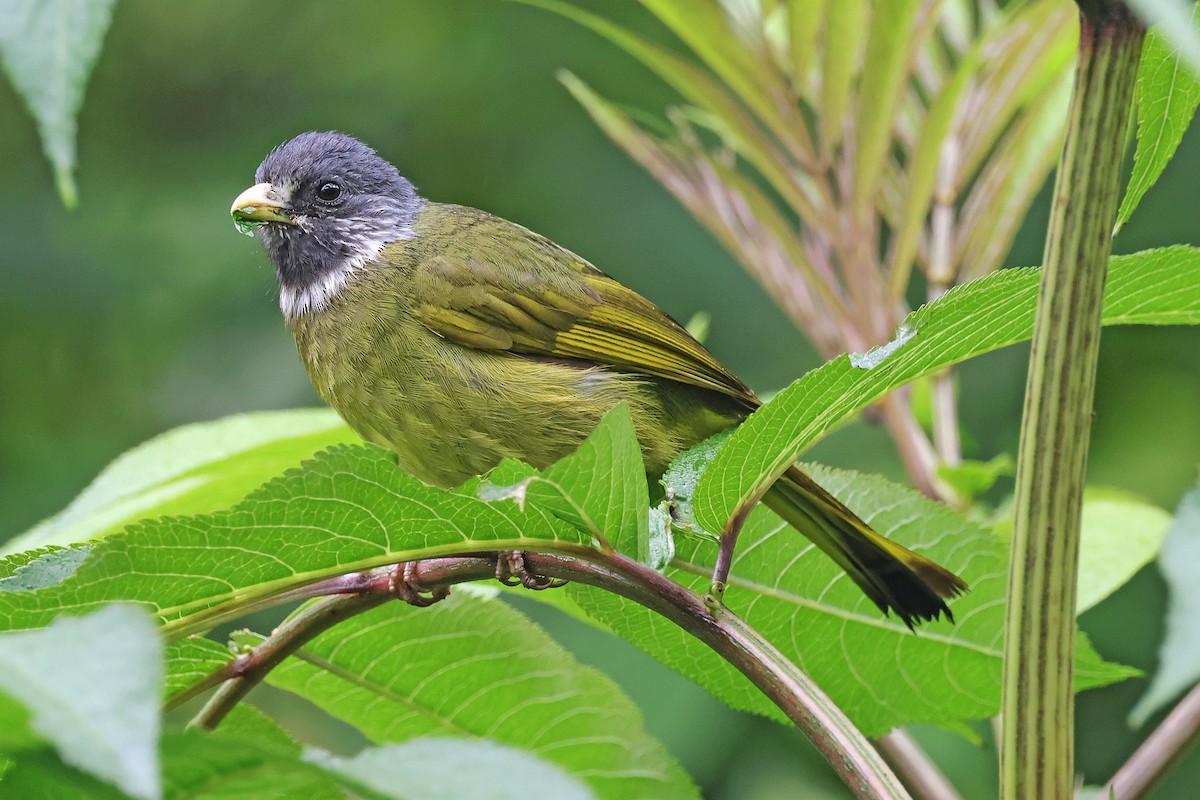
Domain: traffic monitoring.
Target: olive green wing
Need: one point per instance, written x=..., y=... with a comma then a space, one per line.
x=528, y=295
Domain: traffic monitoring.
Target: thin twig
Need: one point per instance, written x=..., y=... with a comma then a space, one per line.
x=1159, y=752
x=921, y=775
x=249, y=670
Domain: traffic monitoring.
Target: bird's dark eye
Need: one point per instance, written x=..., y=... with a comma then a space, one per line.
x=329, y=192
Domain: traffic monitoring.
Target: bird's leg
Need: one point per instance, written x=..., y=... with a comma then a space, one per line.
x=511, y=571
x=404, y=585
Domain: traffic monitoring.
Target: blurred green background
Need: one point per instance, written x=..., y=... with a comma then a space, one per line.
x=144, y=309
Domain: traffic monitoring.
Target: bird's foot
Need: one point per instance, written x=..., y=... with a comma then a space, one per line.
x=405, y=586
x=511, y=571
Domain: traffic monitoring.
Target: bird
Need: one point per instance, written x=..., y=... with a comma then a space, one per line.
x=457, y=339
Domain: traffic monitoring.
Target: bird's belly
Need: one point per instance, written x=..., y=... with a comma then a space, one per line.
x=451, y=412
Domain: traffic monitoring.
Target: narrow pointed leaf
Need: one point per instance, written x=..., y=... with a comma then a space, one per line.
x=890, y=43
x=1167, y=95
x=48, y=49
x=845, y=32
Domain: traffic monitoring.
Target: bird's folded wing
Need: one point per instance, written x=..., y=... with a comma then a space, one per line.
x=545, y=301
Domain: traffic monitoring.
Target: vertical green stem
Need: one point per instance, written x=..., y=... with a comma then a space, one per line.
x=1037, y=758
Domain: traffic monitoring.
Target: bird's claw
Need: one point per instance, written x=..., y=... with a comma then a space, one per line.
x=405, y=585
x=511, y=571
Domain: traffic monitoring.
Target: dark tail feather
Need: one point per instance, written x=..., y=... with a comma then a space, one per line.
x=894, y=577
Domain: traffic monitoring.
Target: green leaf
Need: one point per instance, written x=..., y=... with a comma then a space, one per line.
x=191, y=660
x=972, y=478
x=736, y=126
x=845, y=30
x=1179, y=654
x=349, y=509
x=890, y=44
x=92, y=687
x=1175, y=24
x=433, y=768
x=804, y=26
x=248, y=757
x=469, y=667
x=189, y=470
x=875, y=669
x=1121, y=534
x=42, y=775
x=48, y=49
x=1167, y=95
x=1154, y=287
x=923, y=167
x=601, y=488
x=702, y=25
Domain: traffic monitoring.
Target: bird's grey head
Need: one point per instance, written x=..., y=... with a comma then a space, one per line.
x=325, y=205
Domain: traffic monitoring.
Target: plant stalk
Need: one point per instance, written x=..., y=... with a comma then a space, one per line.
x=1037, y=736
x=1159, y=752
x=856, y=761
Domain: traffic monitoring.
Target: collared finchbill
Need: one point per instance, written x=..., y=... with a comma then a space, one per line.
x=260, y=203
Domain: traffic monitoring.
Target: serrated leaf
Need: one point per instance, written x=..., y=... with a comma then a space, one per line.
x=1179, y=654
x=191, y=660
x=92, y=687
x=188, y=470
x=41, y=568
x=349, y=509
x=875, y=669
x=432, y=769
x=1152, y=287
x=1167, y=94
x=478, y=668
x=603, y=484
x=1176, y=24
x=48, y=49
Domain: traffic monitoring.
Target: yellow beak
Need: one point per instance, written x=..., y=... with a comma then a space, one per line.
x=260, y=203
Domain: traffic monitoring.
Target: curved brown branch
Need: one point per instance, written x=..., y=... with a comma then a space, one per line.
x=843, y=745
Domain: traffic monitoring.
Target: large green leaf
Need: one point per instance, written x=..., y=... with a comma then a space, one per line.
x=349, y=509
x=92, y=687
x=880, y=673
x=189, y=470
x=1179, y=654
x=48, y=49
x=470, y=667
x=1167, y=95
x=1154, y=287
